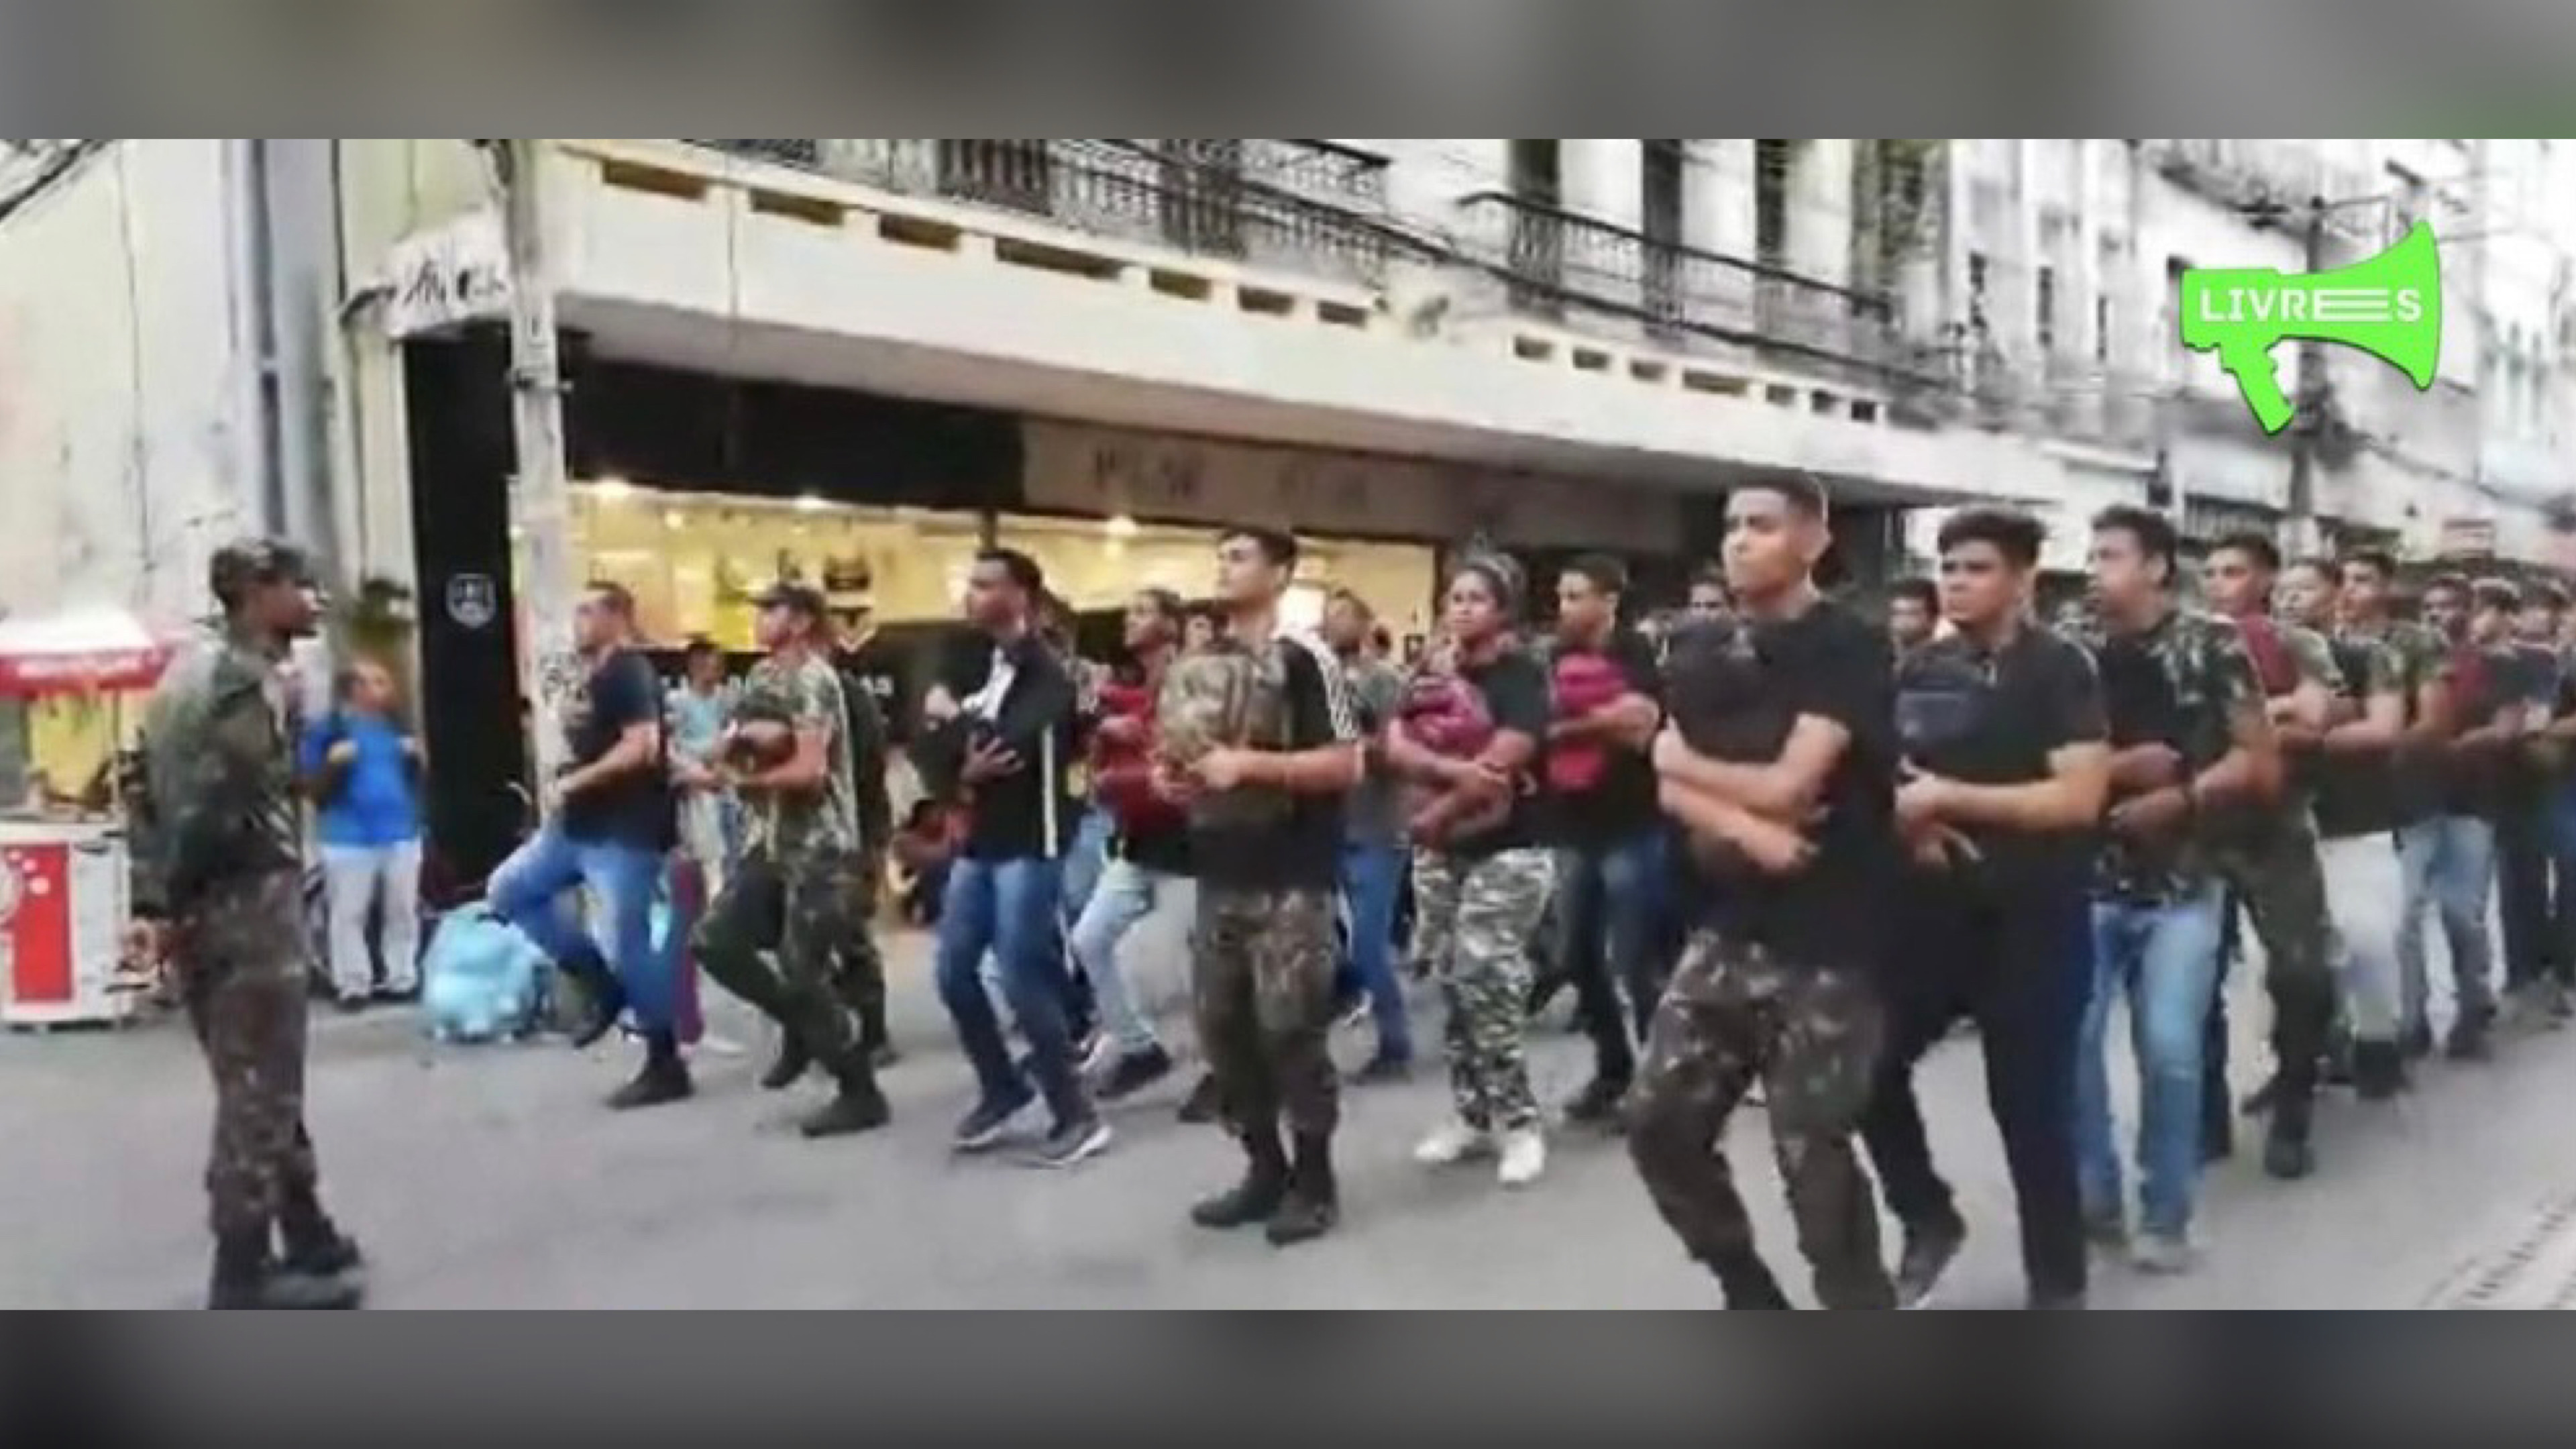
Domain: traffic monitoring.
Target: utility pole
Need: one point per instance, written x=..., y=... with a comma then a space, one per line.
x=2306, y=534
x=540, y=497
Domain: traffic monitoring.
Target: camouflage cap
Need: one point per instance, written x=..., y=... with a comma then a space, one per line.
x=246, y=563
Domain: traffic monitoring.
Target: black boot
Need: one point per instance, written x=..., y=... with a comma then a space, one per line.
x=857, y=1107
x=246, y=1276
x=1313, y=1203
x=664, y=1078
x=1257, y=1196
x=2287, y=1153
x=313, y=1244
x=603, y=999
x=1205, y=1103
x=792, y=1061
x=1749, y=1285
x=2378, y=1070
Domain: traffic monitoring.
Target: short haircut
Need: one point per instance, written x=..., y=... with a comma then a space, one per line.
x=1351, y=599
x=2546, y=594
x=1019, y=568
x=1381, y=639
x=1915, y=591
x=1712, y=575
x=2496, y=594
x=2446, y=584
x=2153, y=531
x=1277, y=545
x=2258, y=547
x=2323, y=567
x=1166, y=605
x=619, y=599
x=2378, y=560
x=1599, y=570
x=1801, y=491
x=2014, y=534
x=700, y=647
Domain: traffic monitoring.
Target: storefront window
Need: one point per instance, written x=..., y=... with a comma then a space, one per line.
x=1099, y=563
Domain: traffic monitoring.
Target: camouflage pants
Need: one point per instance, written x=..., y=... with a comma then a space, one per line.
x=2283, y=885
x=242, y=955
x=861, y=979
x=1261, y=983
x=1472, y=933
x=1732, y=1014
x=800, y=912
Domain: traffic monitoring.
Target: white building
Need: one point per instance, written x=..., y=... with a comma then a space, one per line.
x=861, y=358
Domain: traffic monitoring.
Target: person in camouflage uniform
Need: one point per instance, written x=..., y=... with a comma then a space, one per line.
x=2387, y=670
x=2270, y=860
x=1265, y=840
x=1780, y=764
x=793, y=893
x=1480, y=886
x=219, y=862
x=2192, y=747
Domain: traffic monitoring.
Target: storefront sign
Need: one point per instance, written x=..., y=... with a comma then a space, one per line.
x=1112, y=472
x=456, y=274
x=2467, y=538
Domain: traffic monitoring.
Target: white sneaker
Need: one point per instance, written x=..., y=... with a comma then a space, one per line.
x=1524, y=1158
x=1452, y=1142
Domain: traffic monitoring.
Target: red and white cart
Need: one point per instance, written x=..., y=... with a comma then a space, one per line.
x=64, y=878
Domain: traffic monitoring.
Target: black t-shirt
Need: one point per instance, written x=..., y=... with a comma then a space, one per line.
x=1518, y=695
x=1622, y=805
x=634, y=808
x=1301, y=850
x=1994, y=720
x=1830, y=664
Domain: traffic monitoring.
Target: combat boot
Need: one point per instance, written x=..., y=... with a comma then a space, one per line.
x=792, y=1061
x=314, y=1245
x=1312, y=1205
x=2378, y=1070
x=1258, y=1196
x=1749, y=1285
x=857, y=1107
x=664, y=1078
x=603, y=999
x=2287, y=1153
x=246, y=1276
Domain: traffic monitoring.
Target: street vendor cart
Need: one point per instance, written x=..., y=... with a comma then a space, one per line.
x=65, y=882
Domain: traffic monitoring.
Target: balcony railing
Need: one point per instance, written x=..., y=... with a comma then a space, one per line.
x=1304, y=205
x=1555, y=262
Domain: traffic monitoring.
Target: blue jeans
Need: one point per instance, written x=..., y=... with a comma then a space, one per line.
x=1609, y=899
x=1124, y=896
x=1372, y=877
x=2449, y=865
x=2164, y=960
x=1008, y=907
x=528, y=890
x=1086, y=859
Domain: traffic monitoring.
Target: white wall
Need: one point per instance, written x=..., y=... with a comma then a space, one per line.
x=118, y=385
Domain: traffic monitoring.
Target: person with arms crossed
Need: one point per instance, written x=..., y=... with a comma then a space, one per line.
x=1482, y=880
x=2007, y=768
x=1266, y=840
x=1780, y=761
x=610, y=820
x=2190, y=739
x=1609, y=834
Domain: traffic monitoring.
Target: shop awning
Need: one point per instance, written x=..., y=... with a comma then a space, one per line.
x=81, y=651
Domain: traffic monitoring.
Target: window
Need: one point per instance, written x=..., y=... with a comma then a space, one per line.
x=1976, y=291
x=1771, y=161
x=2102, y=329
x=1537, y=172
x=1662, y=180
x=2047, y=303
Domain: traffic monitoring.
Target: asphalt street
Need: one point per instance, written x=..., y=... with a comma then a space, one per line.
x=486, y=1177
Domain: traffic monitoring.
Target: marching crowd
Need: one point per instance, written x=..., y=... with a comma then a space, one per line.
x=1771, y=846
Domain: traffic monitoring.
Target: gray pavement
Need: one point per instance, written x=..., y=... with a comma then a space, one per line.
x=490, y=1177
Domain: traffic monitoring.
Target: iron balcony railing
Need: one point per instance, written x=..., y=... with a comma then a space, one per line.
x=1305, y=205
x=1554, y=261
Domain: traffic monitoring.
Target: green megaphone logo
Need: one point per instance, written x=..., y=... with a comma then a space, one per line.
x=2390, y=305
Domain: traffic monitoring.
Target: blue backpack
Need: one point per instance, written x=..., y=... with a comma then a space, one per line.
x=481, y=979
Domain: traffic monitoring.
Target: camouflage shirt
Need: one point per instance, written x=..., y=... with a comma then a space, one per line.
x=800, y=824
x=219, y=775
x=2185, y=684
